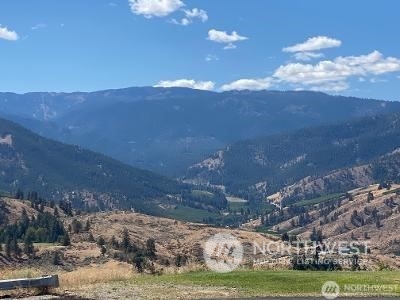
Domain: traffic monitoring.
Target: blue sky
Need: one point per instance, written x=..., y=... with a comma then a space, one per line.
x=341, y=47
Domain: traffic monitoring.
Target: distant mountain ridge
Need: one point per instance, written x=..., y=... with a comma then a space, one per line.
x=307, y=160
x=169, y=129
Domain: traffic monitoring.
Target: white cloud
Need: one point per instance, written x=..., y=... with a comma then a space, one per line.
x=377, y=80
x=337, y=70
x=155, y=8
x=230, y=46
x=211, y=57
x=331, y=87
x=39, y=26
x=190, y=16
x=326, y=75
x=307, y=56
x=7, y=34
x=183, y=22
x=314, y=44
x=225, y=38
x=196, y=13
x=187, y=83
x=249, y=84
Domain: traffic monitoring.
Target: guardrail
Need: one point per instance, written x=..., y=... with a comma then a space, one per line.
x=44, y=282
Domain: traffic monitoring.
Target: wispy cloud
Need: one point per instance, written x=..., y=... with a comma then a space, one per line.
x=187, y=83
x=7, y=34
x=314, y=44
x=191, y=16
x=249, y=84
x=196, y=13
x=308, y=50
x=38, y=26
x=223, y=37
x=230, y=46
x=211, y=57
x=307, y=56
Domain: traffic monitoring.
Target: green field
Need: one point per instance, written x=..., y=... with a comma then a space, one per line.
x=318, y=200
x=237, y=206
x=396, y=191
x=284, y=283
x=189, y=214
x=200, y=193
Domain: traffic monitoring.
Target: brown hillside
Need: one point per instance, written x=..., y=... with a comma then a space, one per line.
x=376, y=221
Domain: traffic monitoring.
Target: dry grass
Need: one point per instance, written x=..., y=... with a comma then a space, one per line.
x=111, y=271
x=11, y=273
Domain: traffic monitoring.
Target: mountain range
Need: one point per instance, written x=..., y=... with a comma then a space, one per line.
x=169, y=129
x=281, y=145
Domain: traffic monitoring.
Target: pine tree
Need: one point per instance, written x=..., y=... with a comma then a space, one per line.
x=126, y=242
x=103, y=250
x=15, y=248
x=8, y=248
x=66, y=241
x=87, y=225
x=57, y=261
x=139, y=263
x=30, y=236
x=101, y=241
x=19, y=195
x=114, y=243
x=151, y=248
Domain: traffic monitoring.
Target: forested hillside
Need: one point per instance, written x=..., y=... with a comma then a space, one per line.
x=168, y=129
x=88, y=180
x=265, y=165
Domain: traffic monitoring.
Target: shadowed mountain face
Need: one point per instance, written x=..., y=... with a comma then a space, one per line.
x=58, y=171
x=265, y=165
x=167, y=130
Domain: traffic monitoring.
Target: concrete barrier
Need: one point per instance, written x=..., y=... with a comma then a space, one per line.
x=42, y=282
